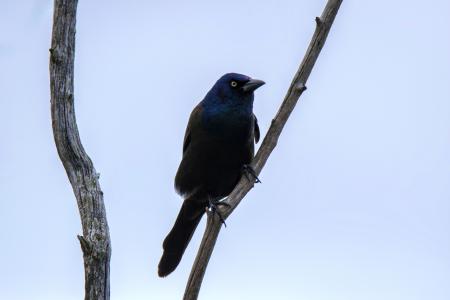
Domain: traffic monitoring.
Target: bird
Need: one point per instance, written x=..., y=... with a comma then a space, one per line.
x=218, y=145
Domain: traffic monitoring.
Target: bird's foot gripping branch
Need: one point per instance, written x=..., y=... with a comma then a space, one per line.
x=250, y=174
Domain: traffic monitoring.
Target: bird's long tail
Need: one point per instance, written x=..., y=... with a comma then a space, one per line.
x=178, y=238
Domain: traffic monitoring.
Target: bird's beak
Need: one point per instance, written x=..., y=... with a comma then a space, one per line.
x=252, y=85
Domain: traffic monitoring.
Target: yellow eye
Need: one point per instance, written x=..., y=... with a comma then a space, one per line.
x=233, y=84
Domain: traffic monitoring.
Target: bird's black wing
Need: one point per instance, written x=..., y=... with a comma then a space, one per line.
x=187, y=139
x=193, y=120
x=256, y=130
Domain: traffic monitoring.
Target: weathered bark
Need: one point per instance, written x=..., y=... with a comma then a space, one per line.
x=297, y=87
x=95, y=241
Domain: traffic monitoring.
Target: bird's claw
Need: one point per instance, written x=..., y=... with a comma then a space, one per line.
x=213, y=206
x=249, y=171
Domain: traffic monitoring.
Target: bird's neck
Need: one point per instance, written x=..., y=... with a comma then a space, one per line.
x=216, y=104
x=233, y=112
x=228, y=120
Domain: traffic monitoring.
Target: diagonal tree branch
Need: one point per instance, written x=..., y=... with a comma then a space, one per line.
x=297, y=87
x=95, y=242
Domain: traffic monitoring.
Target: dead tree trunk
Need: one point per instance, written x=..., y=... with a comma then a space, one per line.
x=95, y=241
x=213, y=225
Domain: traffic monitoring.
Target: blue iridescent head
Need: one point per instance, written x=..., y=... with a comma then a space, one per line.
x=232, y=92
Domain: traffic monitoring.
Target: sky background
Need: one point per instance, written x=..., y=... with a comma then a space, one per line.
x=355, y=198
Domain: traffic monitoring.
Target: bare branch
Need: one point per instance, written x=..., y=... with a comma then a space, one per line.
x=95, y=241
x=297, y=87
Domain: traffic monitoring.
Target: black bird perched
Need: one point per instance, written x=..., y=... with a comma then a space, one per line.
x=218, y=144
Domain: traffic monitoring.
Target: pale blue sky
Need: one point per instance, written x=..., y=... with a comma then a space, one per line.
x=355, y=198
